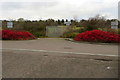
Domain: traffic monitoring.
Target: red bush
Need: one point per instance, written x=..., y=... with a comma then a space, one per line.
x=16, y=35
x=98, y=36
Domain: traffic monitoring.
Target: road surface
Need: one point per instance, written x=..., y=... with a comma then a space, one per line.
x=58, y=58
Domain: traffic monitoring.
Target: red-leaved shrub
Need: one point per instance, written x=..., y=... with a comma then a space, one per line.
x=16, y=35
x=98, y=36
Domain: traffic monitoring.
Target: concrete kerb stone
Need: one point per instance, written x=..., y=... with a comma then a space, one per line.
x=72, y=40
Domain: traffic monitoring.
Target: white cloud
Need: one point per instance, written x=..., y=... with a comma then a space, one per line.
x=35, y=9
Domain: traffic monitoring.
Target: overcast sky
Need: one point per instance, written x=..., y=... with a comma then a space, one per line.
x=57, y=9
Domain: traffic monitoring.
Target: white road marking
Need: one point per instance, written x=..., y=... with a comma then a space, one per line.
x=58, y=52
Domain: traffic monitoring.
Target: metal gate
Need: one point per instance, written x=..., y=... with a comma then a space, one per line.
x=55, y=31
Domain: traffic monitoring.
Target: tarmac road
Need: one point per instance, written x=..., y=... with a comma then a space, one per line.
x=59, y=44
x=40, y=59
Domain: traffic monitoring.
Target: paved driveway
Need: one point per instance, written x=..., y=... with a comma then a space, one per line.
x=58, y=58
x=57, y=44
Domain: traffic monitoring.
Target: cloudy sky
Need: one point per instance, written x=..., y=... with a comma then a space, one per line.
x=57, y=9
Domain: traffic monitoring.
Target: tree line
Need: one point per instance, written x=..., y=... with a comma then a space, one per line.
x=40, y=26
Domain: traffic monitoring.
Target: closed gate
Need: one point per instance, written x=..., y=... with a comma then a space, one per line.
x=55, y=31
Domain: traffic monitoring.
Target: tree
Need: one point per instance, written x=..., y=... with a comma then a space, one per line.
x=21, y=19
x=95, y=23
x=62, y=21
x=59, y=22
x=66, y=20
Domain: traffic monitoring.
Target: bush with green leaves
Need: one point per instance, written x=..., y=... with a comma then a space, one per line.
x=69, y=35
x=38, y=34
x=117, y=31
x=82, y=29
